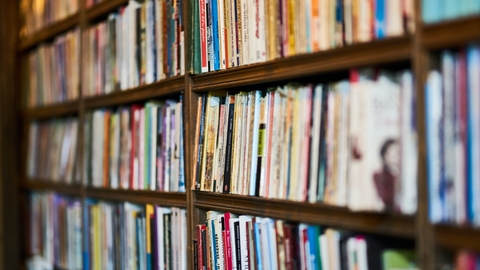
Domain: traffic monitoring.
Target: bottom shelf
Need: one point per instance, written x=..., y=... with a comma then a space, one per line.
x=332, y=216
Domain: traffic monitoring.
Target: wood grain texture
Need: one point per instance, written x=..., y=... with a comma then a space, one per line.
x=458, y=32
x=103, y=8
x=332, y=216
x=44, y=185
x=163, y=88
x=168, y=199
x=49, y=32
x=371, y=53
x=55, y=110
x=456, y=237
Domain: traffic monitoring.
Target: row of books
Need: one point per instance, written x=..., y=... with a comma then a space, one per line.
x=231, y=33
x=228, y=241
x=130, y=236
x=37, y=14
x=348, y=143
x=453, y=137
x=435, y=11
x=52, y=150
x=52, y=71
x=55, y=230
x=136, y=147
x=141, y=43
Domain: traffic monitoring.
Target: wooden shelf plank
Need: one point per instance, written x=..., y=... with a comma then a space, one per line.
x=171, y=199
x=169, y=86
x=55, y=110
x=49, y=32
x=451, y=33
x=44, y=185
x=457, y=237
x=338, y=217
x=104, y=8
x=371, y=53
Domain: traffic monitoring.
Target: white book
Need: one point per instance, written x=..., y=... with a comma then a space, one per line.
x=159, y=211
x=304, y=253
x=324, y=251
x=150, y=46
x=168, y=131
x=351, y=252
x=342, y=184
x=362, y=254
x=261, y=36
x=243, y=241
x=407, y=200
x=252, y=28
x=233, y=241
x=222, y=29
x=394, y=18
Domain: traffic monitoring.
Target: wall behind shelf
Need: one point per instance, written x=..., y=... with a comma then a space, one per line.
x=9, y=231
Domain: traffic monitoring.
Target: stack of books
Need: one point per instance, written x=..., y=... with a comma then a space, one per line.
x=52, y=151
x=230, y=33
x=141, y=43
x=130, y=236
x=349, y=143
x=55, y=229
x=136, y=147
x=52, y=71
x=453, y=137
x=229, y=241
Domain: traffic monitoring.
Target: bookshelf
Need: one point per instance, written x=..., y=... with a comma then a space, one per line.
x=410, y=50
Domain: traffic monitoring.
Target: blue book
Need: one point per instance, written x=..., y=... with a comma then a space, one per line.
x=215, y=36
x=313, y=232
x=473, y=135
x=258, y=242
x=433, y=98
x=214, y=244
x=450, y=9
x=474, y=7
x=86, y=234
x=380, y=19
x=432, y=10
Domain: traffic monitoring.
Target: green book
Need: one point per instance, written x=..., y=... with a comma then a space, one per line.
x=399, y=259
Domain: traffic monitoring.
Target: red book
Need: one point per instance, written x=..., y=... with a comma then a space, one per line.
x=135, y=120
x=465, y=260
x=200, y=248
x=287, y=232
x=203, y=36
x=227, y=248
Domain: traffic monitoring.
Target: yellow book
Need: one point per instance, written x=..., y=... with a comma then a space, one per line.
x=291, y=27
x=149, y=214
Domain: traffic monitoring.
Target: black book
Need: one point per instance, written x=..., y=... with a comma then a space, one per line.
x=238, y=254
x=195, y=255
x=228, y=150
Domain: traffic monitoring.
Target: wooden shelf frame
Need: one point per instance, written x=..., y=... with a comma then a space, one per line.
x=413, y=49
x=377, y=52
x=49, y=32
x=167, y=199
x=318, y=213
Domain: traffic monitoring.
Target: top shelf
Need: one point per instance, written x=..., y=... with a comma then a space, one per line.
x=451, y=33
x=49, y=32
x=371, y=53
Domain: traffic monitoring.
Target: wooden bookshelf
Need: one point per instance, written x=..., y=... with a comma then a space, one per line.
x=49, y=32
x=318, y=213
x=411, y=49
x=55, y=110
x=372, y=53
x=170, y=199
x=48, y=185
